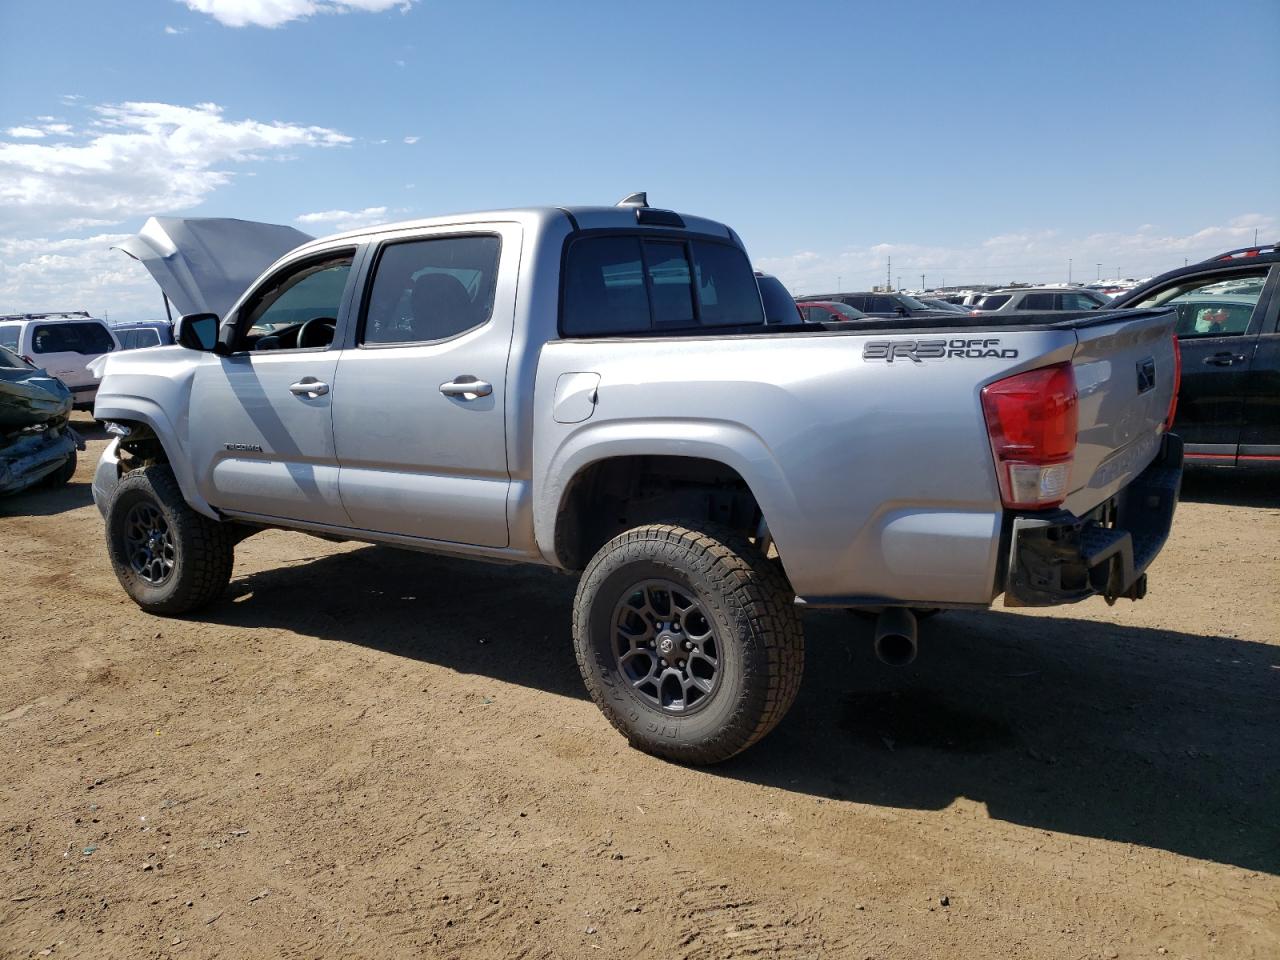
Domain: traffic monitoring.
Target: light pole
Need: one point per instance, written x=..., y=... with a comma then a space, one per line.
x=1099, y=273
x=839, y=282
x=1068, y=271
x=922, y=283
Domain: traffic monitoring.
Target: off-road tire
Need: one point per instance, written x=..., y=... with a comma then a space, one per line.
x=62, y=476
x=204, y=549
x=751, y=608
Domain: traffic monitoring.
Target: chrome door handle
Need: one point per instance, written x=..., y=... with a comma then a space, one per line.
x=309, y=387
x=466, y=388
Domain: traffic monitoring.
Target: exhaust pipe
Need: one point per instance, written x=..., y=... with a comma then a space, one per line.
x=896, y=636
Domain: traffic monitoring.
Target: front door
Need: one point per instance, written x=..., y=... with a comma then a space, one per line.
x=1218, y=322
x=420, y=419
x=261, y=418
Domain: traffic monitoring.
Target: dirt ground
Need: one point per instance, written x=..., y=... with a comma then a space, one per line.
x=361, y=752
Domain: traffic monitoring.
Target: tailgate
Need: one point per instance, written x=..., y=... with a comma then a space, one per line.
x=1124, y=367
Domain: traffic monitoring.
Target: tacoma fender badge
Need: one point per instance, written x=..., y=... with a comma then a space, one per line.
x=918, y=351
x=244, y=447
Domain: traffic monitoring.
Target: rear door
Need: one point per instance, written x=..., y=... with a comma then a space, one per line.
x=1218, y=324
x=420, y=418
x=64, y=348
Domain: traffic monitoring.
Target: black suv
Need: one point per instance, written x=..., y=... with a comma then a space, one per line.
x=1229, y=405
x=877, y=304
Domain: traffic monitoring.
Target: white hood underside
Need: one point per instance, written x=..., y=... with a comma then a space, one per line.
x=203, y=264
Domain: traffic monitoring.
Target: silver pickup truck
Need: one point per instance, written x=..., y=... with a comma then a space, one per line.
x=597, y=390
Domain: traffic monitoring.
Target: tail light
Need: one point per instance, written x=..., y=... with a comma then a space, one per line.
x=1177, y=385
x=1031, y=420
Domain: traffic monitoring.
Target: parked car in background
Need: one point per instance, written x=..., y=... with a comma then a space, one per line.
x=1039, y=300
x=942, y=306
x=875, y=304
x=825, y=311
x=1227, y=307
x=144, y=333
x=779, y=305
x=64, y=344
x=37, y=444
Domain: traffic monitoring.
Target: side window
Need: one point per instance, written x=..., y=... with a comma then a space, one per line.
x=128, y=339
x=428, y=290
x=147, y=338
x=298, y=308
x=881, y=305
x=1219, y=306
x=1038, y=301
x=1078, y=301
x=9, y=336
x=630, y=284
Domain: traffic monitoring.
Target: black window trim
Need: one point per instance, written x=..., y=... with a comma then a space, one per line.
x=641, y=234
x=371, y=273
x=333, y=253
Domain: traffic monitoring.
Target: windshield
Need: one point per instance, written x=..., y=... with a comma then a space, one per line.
x=11, y=361
x=994, y=302
x=911, y=303
x=847, y=311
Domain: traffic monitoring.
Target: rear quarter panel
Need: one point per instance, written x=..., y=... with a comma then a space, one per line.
x=875, y=477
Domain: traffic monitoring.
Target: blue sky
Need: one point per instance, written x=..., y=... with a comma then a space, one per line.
x=972, y=142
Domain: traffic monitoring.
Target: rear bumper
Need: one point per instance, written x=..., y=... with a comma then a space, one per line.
x=1057, y=557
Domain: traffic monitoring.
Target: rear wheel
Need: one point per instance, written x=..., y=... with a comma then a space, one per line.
x=169, y=559
x=688, y=640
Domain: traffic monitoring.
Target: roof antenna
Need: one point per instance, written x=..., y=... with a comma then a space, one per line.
x=640, y=199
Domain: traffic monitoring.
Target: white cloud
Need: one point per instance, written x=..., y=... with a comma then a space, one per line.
x=60, y=129
x=174, y=31
x=77, y=274
x=1031, y=256
x=411, y=140
x=139, y=158
x=31, y=133
x=274, y=13
x=337, y=221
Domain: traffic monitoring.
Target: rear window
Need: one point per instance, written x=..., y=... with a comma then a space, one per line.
x=9, y=336
x=994, y=302
x=84, y=338
x=633, y=284
x=1039, y=301
x=136, y=339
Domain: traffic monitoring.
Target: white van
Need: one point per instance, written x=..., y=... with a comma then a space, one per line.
x=63, y=344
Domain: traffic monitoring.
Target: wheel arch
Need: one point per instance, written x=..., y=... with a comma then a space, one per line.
x=605, y=483
x=151, y=418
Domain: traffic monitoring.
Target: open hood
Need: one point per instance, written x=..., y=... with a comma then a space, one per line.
x=203, y=264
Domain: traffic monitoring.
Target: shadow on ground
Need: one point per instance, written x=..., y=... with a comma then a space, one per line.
x=1152, y=737
x=1231, y=488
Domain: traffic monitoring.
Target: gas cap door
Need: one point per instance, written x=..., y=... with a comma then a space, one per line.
x=575, y=398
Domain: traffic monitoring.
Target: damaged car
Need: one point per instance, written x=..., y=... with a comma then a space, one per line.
x=37, y=443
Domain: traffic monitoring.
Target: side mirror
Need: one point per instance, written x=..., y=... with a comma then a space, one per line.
x=902, y=311
x=197, y=331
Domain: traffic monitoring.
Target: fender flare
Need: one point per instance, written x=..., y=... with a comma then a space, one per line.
x=143, y=410
x=724, y=442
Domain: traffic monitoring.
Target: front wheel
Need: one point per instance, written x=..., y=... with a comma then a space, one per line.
x=169, y=559
x=688, y=640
